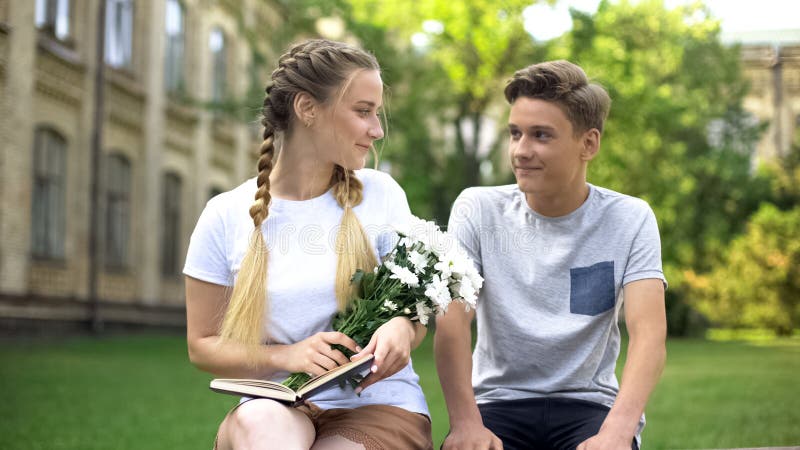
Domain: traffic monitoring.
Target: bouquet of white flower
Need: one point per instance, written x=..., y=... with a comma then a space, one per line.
x=422, y=275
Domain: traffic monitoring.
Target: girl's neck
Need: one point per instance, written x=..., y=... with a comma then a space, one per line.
x=299, y=174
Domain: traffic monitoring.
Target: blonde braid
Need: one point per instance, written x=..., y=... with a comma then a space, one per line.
x=353, y=247
x=244, y=318
x=260, y=209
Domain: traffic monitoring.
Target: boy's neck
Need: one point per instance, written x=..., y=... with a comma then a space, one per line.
x=558, y=204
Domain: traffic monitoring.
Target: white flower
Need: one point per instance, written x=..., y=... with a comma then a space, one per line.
x=464, y=292
x=419, y=261
x=458, y=265
x=468, y=294
x=443, y=244
x=406, y=311
x=450, y=266
x=443, y=269
x=474, y=277
x=438, y=292
x=423, y=312
x=403, y=228
x=390, y=305
x=405, y=276
x=419, y=232
x=406, y=242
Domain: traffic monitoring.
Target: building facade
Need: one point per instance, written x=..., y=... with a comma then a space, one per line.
x=771, y=63
x=165, y=150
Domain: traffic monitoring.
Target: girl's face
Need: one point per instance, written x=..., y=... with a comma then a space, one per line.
x=349, y=126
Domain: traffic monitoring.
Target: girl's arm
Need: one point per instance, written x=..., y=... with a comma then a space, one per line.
x=205, y=308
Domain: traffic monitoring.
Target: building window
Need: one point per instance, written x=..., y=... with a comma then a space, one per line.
x=173, y=67
x=217, y=44
x=119, y=32
x=53, y=17
x=118, y=206
x=171, y=218
x=49, y=173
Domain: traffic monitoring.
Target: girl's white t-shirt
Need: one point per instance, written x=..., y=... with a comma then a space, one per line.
x=301, y=237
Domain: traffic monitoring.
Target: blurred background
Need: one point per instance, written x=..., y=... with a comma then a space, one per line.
x=121, y=118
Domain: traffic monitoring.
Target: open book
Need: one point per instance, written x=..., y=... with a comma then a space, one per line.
x=283, y=394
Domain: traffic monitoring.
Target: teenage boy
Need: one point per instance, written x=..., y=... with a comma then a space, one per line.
x=558, y=256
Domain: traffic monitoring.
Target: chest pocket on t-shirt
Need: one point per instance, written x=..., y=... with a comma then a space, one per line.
x=591, y=289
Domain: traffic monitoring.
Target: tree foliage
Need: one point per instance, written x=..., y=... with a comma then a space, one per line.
x=757, y=284
x=469, y=50
x=676, y=135
x=672, y=84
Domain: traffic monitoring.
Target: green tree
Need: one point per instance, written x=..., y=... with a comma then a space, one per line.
x=676, y=135
x=784, y=175
x=757, y=284
x=416, y=94
x=464, y=53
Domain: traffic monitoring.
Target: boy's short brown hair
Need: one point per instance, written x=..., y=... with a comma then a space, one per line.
x=585, y=103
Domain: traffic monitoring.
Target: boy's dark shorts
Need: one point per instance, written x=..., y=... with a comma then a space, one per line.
x=544, y=423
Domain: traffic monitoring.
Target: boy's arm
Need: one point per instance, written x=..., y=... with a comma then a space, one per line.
x=646, y=321
x=453, y=351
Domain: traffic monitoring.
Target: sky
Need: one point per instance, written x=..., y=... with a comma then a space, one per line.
x=545, y=22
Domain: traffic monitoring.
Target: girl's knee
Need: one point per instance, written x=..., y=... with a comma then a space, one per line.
x=255, y=414
x=263, y=424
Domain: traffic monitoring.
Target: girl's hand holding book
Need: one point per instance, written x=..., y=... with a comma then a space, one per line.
x=391, y=345
x=315, y=355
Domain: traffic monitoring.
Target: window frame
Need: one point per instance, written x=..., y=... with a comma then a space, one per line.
x=118, y=51
x=48, y=194
x=117, y=220
x=55, y=18
x=175, y=51
x=172, y=191
x=219, y=65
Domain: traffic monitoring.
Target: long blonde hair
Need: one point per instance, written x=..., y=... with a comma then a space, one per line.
x=320, y=68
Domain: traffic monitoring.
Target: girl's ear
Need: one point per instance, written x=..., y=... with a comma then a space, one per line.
x=591, y=144
x=305, y=108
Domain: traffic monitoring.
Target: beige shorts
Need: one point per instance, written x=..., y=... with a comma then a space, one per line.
x=376, y=427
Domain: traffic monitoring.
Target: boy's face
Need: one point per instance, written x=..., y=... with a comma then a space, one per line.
x=546, y=156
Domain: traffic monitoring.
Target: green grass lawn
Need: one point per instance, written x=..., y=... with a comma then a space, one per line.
x=140, y=392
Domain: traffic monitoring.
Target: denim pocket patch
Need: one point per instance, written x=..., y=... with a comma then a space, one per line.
x=591, y=289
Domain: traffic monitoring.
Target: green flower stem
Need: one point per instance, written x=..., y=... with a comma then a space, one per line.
x=296, y=380
x=363, y=318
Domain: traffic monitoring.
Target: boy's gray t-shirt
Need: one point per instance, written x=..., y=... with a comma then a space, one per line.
x=547, y=314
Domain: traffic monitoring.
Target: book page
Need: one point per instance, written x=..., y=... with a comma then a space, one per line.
x=253, y=388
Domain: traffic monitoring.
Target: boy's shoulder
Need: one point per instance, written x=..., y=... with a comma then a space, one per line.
x=608, y=198
x=491, y=194
x=484, y=205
